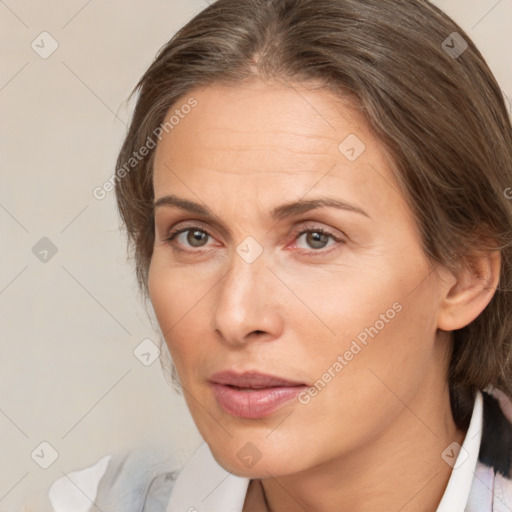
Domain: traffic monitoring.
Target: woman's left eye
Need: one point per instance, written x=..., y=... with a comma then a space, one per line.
x=196, y=237
x=317, y=238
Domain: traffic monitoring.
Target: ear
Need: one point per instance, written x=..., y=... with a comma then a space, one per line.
x=469, y=290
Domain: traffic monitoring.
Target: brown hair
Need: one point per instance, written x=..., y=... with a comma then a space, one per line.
x=433, y=103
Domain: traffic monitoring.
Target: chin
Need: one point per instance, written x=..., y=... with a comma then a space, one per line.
x=246, y=460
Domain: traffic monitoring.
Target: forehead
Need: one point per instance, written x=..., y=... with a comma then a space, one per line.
x=272, y=140
x=288, y=117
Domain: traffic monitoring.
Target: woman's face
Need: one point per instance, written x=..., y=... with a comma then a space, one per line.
x=272, y=274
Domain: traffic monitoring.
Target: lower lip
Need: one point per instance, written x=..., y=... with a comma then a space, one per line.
x=254, y=404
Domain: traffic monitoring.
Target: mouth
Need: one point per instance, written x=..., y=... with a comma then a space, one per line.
x=249, y=390
x=252, y=394
x=252, y=380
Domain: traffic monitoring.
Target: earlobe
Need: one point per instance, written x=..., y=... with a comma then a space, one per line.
x=475, y=285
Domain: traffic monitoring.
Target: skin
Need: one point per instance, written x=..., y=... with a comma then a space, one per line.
x=372, y=438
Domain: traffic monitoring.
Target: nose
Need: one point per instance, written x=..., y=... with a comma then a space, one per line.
x=247, y=303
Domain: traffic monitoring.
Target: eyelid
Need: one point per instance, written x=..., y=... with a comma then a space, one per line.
x=182, y=218
x=188, y=224
x=307, y=226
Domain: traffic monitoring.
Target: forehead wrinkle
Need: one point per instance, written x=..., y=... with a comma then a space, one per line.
x=321, y=160
x=265, y=130
x=257, y=147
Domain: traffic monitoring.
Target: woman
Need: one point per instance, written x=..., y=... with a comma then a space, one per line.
x=316, y=195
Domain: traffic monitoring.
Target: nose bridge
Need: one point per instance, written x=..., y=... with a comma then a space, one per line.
x=240, y=289
x=244, y=295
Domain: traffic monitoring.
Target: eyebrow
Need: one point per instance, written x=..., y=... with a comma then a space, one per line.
x=278, y=213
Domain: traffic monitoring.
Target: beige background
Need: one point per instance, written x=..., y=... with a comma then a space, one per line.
x=70, y=325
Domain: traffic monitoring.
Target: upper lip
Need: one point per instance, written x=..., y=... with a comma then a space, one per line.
x=251, y=379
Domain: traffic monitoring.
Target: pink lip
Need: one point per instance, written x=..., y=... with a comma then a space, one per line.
x=252, y=379
x=270, y=393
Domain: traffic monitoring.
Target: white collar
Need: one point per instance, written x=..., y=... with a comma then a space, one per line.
x=205, y=486
x=456, y=494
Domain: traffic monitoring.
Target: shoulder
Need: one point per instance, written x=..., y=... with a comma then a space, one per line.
x=138, y=480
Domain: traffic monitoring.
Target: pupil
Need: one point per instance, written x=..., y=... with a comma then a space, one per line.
x=196, y=236
x=316, y=239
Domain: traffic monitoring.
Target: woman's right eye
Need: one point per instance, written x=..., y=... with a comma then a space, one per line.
x=195, y=236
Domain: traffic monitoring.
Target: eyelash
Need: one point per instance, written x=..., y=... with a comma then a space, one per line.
x=310, y=229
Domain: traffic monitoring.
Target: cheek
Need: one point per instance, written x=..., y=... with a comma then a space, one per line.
x=162, y=295
x=177, y=303
x=388, y=353
x=167, y=300
x=172, y=292
x=384, y=323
